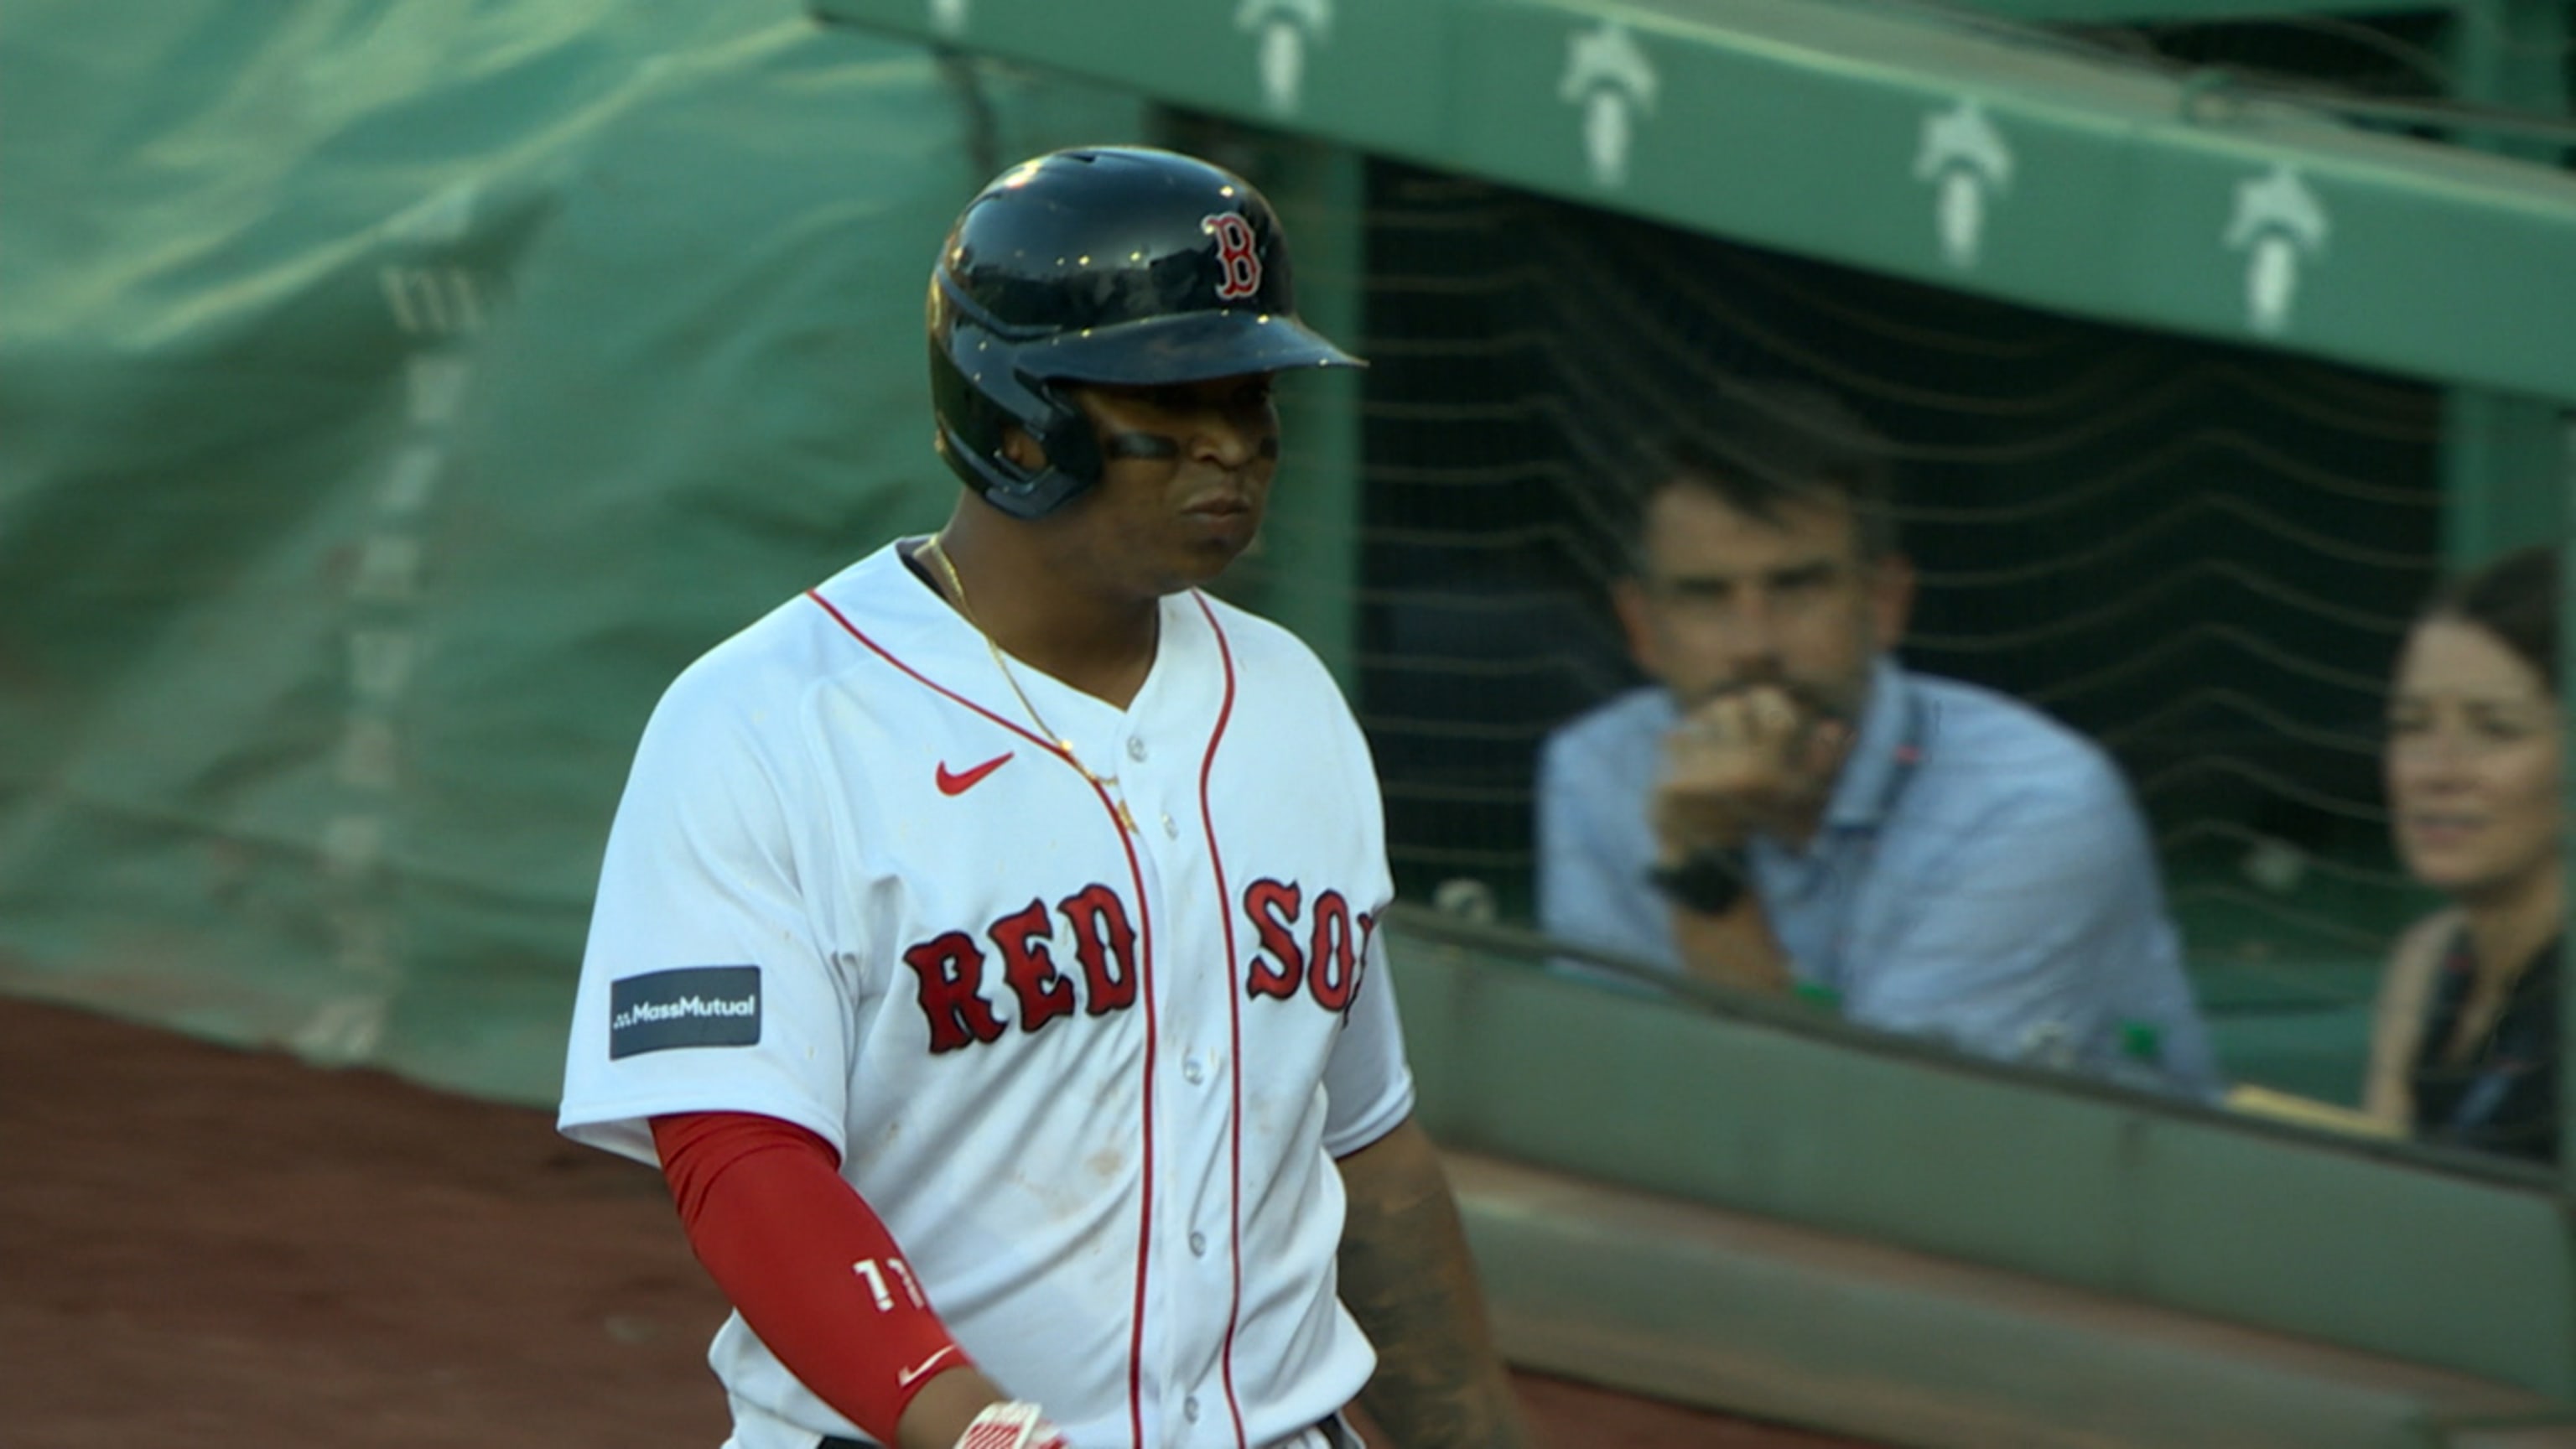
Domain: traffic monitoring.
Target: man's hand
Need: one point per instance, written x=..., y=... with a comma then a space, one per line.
x=1751, y=760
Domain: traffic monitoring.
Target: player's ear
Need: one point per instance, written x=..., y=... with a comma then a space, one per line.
x=1023, y=450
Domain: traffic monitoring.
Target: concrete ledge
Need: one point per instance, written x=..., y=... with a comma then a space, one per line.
x=1717, y=1309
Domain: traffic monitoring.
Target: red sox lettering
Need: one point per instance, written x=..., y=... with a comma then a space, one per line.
x=952, y=967
x=1328, y=963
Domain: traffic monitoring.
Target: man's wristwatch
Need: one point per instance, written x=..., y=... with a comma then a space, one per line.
x=1709, y=880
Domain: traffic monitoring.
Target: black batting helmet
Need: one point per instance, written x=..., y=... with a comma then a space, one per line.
x=1107, y=264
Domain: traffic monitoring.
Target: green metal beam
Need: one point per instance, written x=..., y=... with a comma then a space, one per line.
x=2511, y=54
x=2507, y=471
x=1910, y=143
x=2147, y=12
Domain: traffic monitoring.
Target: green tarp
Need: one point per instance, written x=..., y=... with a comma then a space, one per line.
x=392, y=398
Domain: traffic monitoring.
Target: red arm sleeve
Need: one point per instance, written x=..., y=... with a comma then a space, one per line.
x=805, y=1259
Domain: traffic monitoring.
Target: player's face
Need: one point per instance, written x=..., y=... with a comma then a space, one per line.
x=2472, y=762
x=1726, y=600
x=1184, y=481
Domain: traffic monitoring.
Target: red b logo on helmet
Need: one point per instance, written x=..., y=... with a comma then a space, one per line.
x=1240, y=264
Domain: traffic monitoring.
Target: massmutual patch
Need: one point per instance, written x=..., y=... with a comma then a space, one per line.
x=691, y=1007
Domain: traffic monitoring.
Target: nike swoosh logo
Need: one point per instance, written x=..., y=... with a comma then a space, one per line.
x=911, y=1376
x=959, y=784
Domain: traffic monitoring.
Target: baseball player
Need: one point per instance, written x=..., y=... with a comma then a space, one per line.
x=987, y=944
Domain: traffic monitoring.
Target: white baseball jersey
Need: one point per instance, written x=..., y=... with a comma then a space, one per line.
x=1091, y=1078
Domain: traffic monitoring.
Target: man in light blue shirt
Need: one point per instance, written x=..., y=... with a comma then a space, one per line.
x=1788, y=806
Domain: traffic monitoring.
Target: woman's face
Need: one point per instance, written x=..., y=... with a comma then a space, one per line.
x=2472, y=763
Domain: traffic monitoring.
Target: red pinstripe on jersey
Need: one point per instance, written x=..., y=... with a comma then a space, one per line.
x=1144, y=972
x=1234, y=1017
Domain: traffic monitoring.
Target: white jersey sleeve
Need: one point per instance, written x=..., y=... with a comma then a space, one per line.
x=704, y=987
x=1367, y=1084
x=1368, y=1089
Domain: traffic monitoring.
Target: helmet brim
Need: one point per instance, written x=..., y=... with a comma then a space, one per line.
x=1189, y=347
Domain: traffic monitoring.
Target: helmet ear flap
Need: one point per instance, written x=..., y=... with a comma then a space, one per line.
x=1070, y=440
x=1071, y=443
x=978, y=413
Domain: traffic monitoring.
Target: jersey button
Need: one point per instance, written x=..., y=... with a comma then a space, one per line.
x=1198, y=1245
x=1190, y=1408
x=1191, y=1071
x=1136, y=747
x=1171, y=827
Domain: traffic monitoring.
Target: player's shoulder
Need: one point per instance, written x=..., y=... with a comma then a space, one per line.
x=766, y=669
x=1261, y=648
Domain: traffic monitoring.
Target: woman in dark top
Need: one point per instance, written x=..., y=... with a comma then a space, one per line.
x=2465, y=1049
x=2501, y=1094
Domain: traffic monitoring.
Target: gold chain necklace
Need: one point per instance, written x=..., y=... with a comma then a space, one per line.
x=1063, y=743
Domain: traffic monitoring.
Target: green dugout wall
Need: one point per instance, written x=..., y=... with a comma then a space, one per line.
x=393, y=398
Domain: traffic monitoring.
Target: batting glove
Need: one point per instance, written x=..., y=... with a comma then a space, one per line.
x=1012, y=1425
